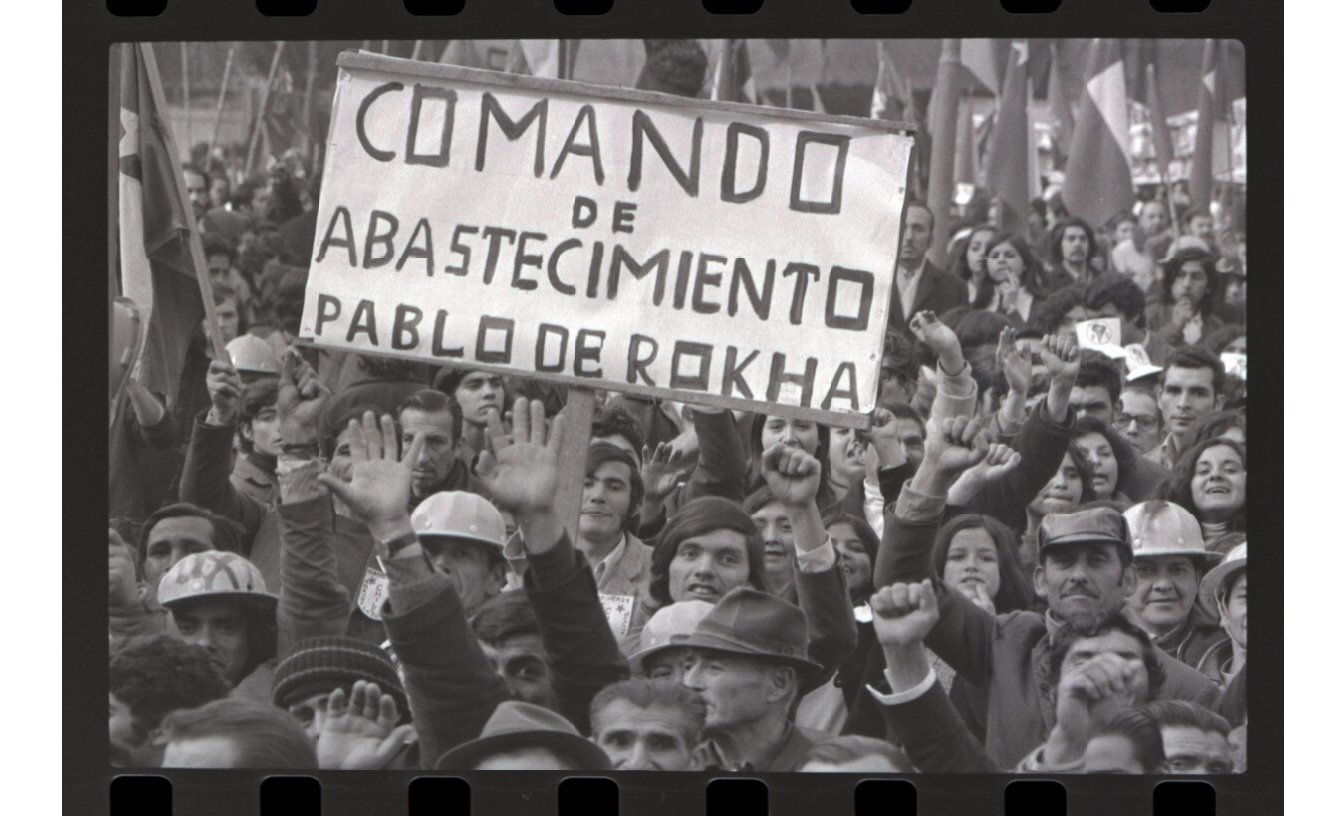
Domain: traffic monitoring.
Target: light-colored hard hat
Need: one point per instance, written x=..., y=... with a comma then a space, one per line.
x=214, y=574
x=1162, y=528
x=248, y=352
x=461, y=515
x=667, y=628
x=1212, y=582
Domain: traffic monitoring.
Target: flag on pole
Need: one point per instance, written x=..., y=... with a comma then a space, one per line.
x=1201, y=164
x=1034, y=189
x=1157, y=122
x=893, y=98
x=1097, y=183
x=943, y=145
x=982, y=60
x=965, y=166
x=1060, y=109
x=731, y=80
x=154, y=231
x=1007, y=171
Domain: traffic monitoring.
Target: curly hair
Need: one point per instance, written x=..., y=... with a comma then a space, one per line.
x=1177, y=487
x=1172, y=267
x=1057, y=306
x=155, y=675
x=1120, y=290
x=613, y=420
x=1071, y=632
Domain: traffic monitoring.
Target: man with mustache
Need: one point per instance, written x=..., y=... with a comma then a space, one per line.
x=1085, y=572
x=439, y=469
x=1192, y=386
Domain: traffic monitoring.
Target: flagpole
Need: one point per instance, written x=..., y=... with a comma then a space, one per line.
x=261, y=111
x=113, y=194
x=219, y=104
x=308, y=138
x=186, y=93
x=942, y=160
x=193, y=234
x=415, y=50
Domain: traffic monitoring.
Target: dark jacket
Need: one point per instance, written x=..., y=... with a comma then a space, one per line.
x=720, y=469
x=581, y=650
x=254, y=475
x=313, y=602
x=1006, y=655
x=450, y=685
x=937, y=291
x=1192, y=640
x=1042, y=443
x=205, y=482
x=932, y=734
x=141, y=463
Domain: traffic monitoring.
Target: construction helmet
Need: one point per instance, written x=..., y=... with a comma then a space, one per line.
x=215, y=574
x=248, y=352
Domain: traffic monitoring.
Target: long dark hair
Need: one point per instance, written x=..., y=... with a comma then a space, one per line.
x=1172, y=267
x=867, y=537
x=1015, y=591
x=701, y=516
x=755, y=481
x=1033, y=273
x=1124, y=454
x=1177, y=486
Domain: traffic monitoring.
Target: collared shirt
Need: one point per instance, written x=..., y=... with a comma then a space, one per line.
x=788, y=756
x=1165, y=454
x=609, y=562
x=907, y=283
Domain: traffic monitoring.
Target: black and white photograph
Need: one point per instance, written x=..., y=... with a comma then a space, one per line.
x=468, y=410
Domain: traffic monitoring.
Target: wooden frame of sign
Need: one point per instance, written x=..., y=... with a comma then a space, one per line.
x=376, y=62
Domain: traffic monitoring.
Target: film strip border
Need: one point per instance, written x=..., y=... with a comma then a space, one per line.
x=146, y=795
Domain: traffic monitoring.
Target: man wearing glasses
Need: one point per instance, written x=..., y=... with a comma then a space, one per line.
x=1139, y=419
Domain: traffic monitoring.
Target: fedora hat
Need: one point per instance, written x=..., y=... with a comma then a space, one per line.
x=523, y=725
x=1212, y=582
x=747, y=621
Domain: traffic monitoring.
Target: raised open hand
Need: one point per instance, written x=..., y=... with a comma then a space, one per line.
x=1015, y=363
x=933, y=333
x=904, y=614
x=300, y=401
x=380, y=483
x=521, y=468
x=362, y=735
x=662, y=470
x=793, y=475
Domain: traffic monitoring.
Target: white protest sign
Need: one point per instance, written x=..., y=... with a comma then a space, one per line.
x=1235, y=364
x=1101, y=334
x=704, y=252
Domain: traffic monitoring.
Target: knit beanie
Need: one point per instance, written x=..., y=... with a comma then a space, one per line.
x=673, y=66
x=322, y=664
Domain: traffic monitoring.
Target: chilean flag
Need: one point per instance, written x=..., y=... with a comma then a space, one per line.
x=1098, y=184
x=154, y=230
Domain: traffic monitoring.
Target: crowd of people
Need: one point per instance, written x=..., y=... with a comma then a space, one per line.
x=1033, y=560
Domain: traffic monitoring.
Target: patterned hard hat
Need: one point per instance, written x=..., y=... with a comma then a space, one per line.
x=214, y=574
x=248, y=352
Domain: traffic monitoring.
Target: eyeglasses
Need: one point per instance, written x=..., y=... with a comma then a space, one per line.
x=1146, y=423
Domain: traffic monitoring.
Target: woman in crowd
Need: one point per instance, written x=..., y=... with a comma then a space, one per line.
x=970, y=265
x=1019, y=279
x=1210, y=481
x=1111, y=458
x=1070, y=488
